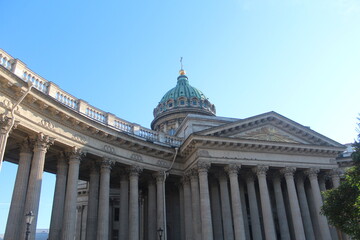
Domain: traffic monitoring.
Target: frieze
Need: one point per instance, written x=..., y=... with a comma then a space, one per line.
x=109, y=149
x=136, y=157
x=203, y=153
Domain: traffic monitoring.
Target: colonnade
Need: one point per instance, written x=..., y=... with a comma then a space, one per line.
x=217, y=208
x=228, y=202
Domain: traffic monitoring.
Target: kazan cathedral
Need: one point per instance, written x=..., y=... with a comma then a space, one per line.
x=192, y=176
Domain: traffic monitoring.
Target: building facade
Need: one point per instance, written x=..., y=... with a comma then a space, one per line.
x=194, y=175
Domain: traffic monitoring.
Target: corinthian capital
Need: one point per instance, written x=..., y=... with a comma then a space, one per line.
x=134, y=170
x=74, y=154
x=106, y=163
x=26, y=146
x=42, y=141
x=312, y=173
x=203, y=167
x=261, y=170
x=5, y=123
x=288, y=171
x=159, y=176
x=232, y=169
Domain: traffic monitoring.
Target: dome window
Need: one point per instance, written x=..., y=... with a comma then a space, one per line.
x=194, y=102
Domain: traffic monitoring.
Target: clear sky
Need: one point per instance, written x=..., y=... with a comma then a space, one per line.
x=299, y=58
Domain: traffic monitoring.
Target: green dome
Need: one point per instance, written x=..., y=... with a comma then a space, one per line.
x=183, y=89
x=185, y=98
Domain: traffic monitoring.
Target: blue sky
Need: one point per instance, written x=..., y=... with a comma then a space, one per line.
x=298, y=58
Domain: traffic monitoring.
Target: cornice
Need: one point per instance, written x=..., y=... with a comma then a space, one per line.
x=194, y=142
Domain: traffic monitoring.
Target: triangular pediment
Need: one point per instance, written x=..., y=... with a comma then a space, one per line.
x=271, y=127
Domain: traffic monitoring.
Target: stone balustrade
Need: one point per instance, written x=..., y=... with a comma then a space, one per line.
x=49, y=88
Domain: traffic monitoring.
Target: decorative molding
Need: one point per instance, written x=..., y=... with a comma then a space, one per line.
x=109, y=149
x=267, y=134
x=5, y=123
x=136, y=157
x=47, y=124
x=135, y=170
x=203, y=166
x=163, y=163
x=79, y=138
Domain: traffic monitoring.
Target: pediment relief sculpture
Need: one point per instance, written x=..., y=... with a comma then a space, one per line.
x=266, y=134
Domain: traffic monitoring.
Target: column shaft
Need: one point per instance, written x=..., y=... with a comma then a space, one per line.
x=294, y=203
x=134, y=226
x=59, y=198
x=93, y=200
x=16, y=212
x=305, y=213
x=206, y=221
x=187, y=208
x=280, y=207
x=195, y=197
x=269, y=226
x=124, y=206
x=160, y=176
x=182, y=219
x=238, y=219
x=254, y=210
x=104, y=198
x=152, y=210
x=42, y=143
x=225, y=207
x=243, y=205
x=323, y=224
x=216, y=210
x=69, y=220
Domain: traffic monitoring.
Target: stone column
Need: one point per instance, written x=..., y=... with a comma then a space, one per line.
x=152, y=210
x=69, y=220
x=104, y=196
x=16, y=212
x=80, y=211
x=305, y=212
x=323, y=224
x=238, y=218
x=187, y=208
x=195, y=198
x=225, y=207
x=254, y=211
x=207, y=231
x=216, y=210
x=134, y=227
x=124, y=206
x=269, y=226
x=280, y=207
x=59, y=198
x=294, y=203
x=93, y=200
x=160, y=176
x=181, y=202
x=243, y=205
x=335, y=177
x=42, y=143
